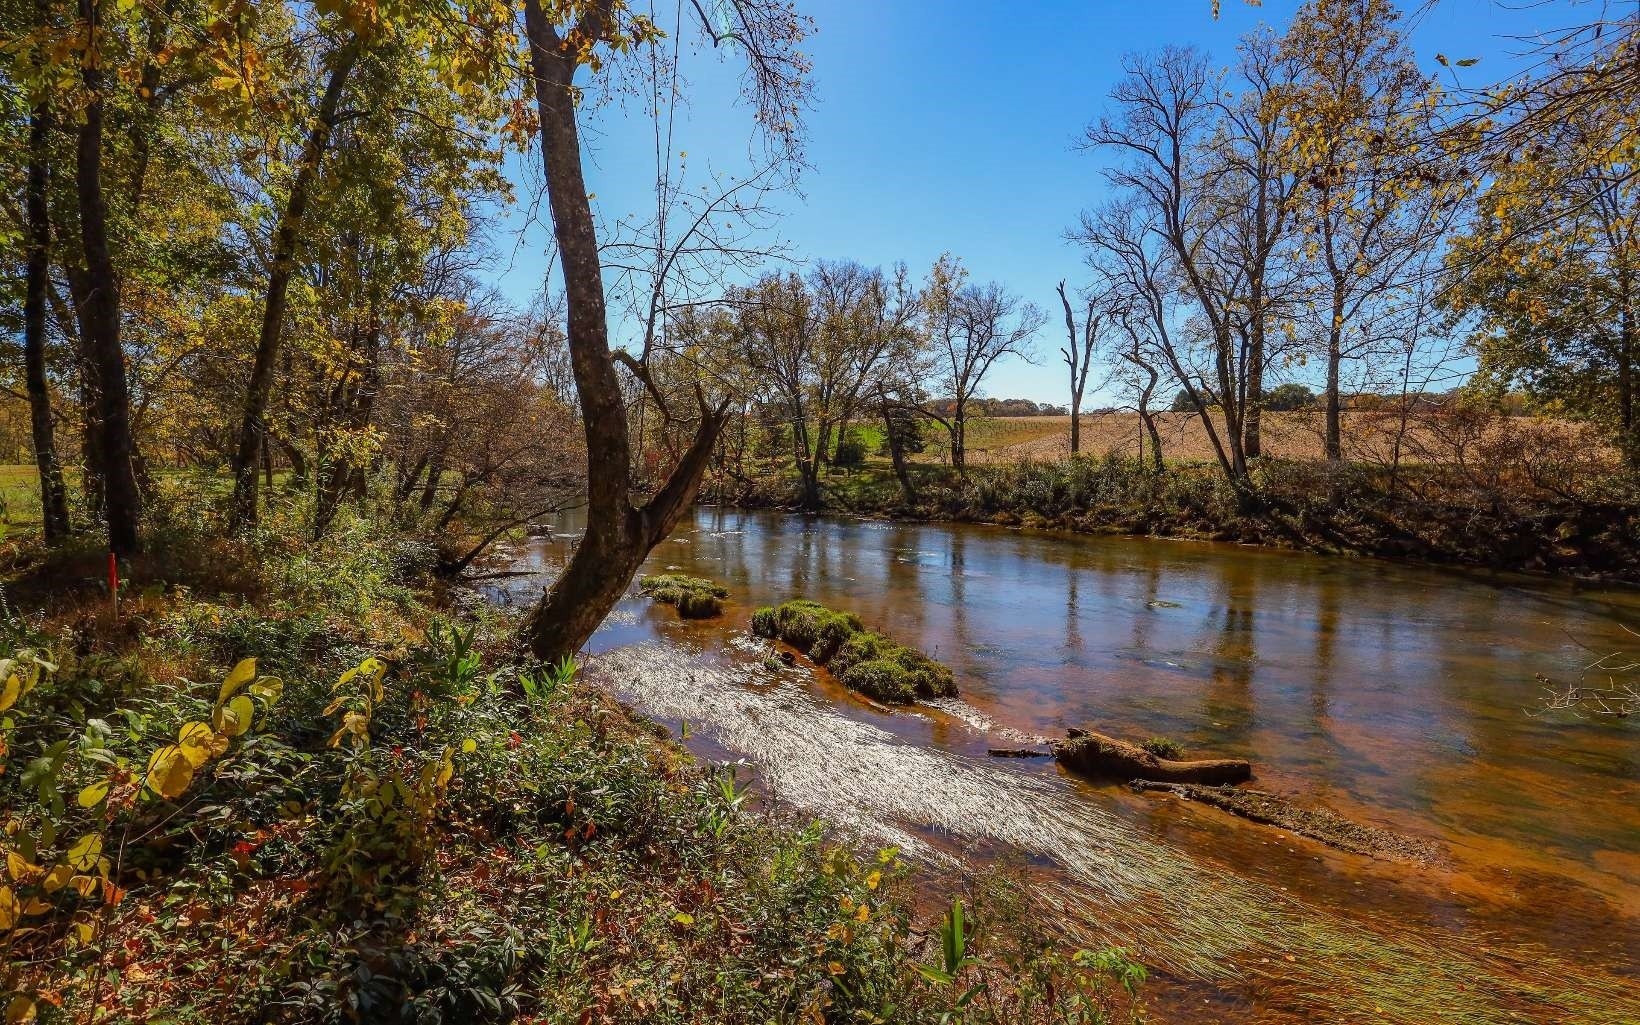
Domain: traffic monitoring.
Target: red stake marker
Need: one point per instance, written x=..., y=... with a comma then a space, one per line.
x=114, y=582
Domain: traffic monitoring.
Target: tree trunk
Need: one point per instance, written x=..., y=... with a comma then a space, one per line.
x=896, y=452
x=959, y=438
x=1252, y=420
x=356, y=400
x=618, y=535
x=1627, y=329
x=1335, y=434
x=281, y=268
x=53, y=494
x=91, y=439
x=298, y=464
x=1101, y=757
x=122, y=502
x=1147, y=418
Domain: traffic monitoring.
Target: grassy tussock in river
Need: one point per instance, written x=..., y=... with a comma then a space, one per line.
x=864, y=661
x=388, y=817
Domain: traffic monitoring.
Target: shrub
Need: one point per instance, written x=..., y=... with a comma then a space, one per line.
x=1290, y=396
x=851, y=452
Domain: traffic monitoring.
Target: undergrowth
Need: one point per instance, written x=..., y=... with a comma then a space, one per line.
x=296, y=789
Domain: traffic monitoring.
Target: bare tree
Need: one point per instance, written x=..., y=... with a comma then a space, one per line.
x=1164, y=112
x=1128, y=247
x=1254, y=185
x=970, y=327
x=1078, y=355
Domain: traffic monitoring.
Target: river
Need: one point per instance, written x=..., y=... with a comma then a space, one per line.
x=1401, y=696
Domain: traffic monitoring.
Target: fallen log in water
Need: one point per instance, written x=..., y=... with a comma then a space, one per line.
x=1017, y=752
x=1094, y=754
x=1319, y=824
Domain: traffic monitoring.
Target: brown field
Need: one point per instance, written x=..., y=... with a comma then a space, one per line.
x=1368, y=437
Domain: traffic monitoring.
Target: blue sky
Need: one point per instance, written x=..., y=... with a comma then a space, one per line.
x=951, y=126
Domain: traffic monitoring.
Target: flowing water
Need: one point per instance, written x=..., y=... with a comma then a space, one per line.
x=1405, y=697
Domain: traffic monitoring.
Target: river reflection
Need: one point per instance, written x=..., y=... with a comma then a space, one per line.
x=1398, y=695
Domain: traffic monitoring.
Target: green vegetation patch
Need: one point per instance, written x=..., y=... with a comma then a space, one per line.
x=1162, y=747
x=695, y=597
x=863, y=660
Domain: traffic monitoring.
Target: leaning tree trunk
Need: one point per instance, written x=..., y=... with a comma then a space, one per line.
x=53, y=495
x=619, y=534
x=122, y=501
x=281, y=268
x=896, y=452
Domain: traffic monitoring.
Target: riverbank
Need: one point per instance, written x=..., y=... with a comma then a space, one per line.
x=1395, y=695
x=1424, y=514
x=389, y=815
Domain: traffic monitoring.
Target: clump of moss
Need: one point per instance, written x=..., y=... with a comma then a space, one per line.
x=1162, y=747
x=863, y=660
x=696, y=598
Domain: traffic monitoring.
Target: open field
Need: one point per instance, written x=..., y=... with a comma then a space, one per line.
x=19, y=497
x=1368, y=437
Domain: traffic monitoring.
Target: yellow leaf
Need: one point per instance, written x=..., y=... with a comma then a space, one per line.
x=268, y=689
x=85, y=886
x=234, y=718
x=93, y=794
x=9, y=909
x=200, y=743
x=8, y=694
x=169, y=772
x=468, y=746
x=19, y=867
x=85, y=852
x=240, y=675
x=684, y=918
x=21, y=1009
x=58, y=878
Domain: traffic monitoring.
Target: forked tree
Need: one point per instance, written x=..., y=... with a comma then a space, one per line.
x=622, y=522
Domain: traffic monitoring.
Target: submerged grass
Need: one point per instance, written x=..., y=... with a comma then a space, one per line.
x=864, y=661
x=1102, y=880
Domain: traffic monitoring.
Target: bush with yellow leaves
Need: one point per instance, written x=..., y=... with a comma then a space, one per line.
x=63, y=861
